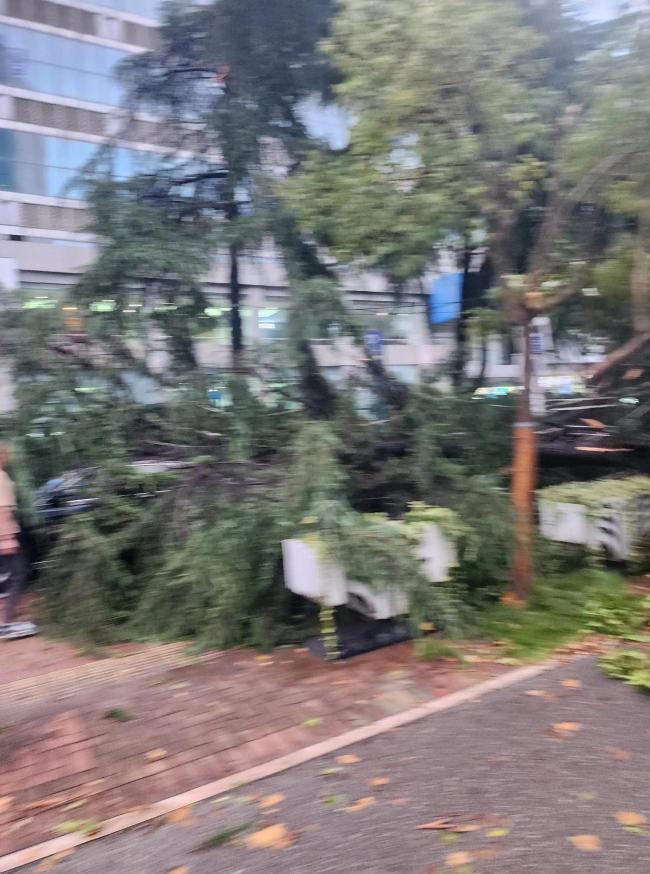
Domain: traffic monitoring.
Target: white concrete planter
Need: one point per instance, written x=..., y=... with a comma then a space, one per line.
x=614, y=529
x=564, y=523
x=319, y=578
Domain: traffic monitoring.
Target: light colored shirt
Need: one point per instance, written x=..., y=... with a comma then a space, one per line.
x=8, y=525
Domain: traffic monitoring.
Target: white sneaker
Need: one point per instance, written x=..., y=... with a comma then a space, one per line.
x=16, y=630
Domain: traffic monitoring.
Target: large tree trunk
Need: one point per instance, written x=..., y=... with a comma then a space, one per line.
x=466, y=304
x=641, y=275
x=236, y=332
x=524, y=480
x=318, y=396
x=475, y=284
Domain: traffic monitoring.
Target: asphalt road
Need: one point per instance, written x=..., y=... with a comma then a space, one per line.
x=496, y=764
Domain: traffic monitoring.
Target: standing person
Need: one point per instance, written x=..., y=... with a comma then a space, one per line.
x=12, y=562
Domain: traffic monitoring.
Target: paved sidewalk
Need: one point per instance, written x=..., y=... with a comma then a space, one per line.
x=100, y=738
x=515, y=789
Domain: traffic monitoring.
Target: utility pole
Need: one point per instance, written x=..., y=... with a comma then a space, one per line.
x=524, y=473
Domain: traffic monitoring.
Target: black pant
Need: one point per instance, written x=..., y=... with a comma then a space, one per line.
x=14, y=565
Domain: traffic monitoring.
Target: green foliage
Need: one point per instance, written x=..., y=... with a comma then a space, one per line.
x=561, y=609
x=370, y=548
x=608, y=314
x=82, y=574
x=225, y=836
x=225, y=82
x=450, y=129
x=119, y=714
x=611, y=144
x=630, y=665
x=221, y=583
x=618, y=614
x=593, y=494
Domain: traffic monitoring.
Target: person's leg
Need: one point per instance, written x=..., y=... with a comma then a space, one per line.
x=15, y=565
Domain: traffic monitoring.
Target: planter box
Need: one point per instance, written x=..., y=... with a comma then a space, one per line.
x=615, y=529
x=563, y=523
x=319, y=578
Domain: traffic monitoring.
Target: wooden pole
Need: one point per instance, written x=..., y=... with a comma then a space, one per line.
x=524, y=479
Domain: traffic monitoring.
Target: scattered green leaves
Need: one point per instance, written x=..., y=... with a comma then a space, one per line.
x=119, y=714
x=222, y=837
x=86, y=827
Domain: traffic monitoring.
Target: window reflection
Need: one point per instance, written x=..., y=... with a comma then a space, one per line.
x=50, y=166
x=58, y=65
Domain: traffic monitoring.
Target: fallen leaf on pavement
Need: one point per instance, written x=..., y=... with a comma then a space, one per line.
x=456, y=860
x=75, y=805
x=52, y=861
x=361, y=804
x=180, y=815
x=155, y=755
x=333, y=800
x=348, y=759
x=436, y=825
x=453, y=826
x=85, y=827
x=538, y=693
x=329, y=772
x=273, y=837
x=497, y=832
x=619, y=755
x=629, y=817
x=572, y=684
x=271, y=800
x=5, y=803
x=379, y=781
x=44, y=803
x=586, y=843
x=565, y=729
x=184, y=869
x=586, y=796
x=222, y=837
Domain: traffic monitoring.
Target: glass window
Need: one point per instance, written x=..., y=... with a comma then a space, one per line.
x=59, y=65
x=35, y=164
x=271, y=323
x=146, y=8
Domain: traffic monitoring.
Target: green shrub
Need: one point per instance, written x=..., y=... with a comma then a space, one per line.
x=562, y=608
x=623, y=663
x=617, y=613
x=630, y=665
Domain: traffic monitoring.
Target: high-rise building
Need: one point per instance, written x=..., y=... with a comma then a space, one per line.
x=59, y=100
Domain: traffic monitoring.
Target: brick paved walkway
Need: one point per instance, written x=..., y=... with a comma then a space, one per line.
x=188, y=721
